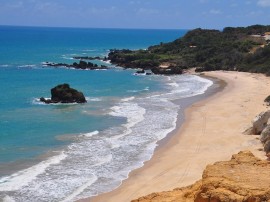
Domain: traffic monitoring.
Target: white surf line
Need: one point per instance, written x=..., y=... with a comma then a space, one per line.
x=80, y=189
x=8, y=199
x=134, y=115
x=22, y=178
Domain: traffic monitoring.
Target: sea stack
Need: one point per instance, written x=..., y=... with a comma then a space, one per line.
x=62, y=93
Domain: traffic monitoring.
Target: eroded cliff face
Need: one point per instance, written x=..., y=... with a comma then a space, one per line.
x=244, y=178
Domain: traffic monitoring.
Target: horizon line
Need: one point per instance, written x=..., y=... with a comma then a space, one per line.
x=127, y=28
x=70, y=27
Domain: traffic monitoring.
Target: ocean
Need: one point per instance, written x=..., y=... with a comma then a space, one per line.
x=65, y=152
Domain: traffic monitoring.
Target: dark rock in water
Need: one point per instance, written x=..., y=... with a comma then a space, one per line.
x=64, y=94
x=81, y=65
x=140, y=71
x=86, y=58
x=167, y=71
x=46, y=101
x=42, y=99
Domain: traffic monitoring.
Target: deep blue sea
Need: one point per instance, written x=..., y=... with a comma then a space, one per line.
x=64, y=152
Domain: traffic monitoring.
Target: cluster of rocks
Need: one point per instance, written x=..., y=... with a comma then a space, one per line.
x=267, y=100
x=81, y=65
x=64, y=94
x=171, y=70
x=131, y=60
x=142, y=72
x=114, y=58
x=86, y=58
x=261, y=126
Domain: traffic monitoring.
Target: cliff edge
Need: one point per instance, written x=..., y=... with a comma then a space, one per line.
x=244, y=178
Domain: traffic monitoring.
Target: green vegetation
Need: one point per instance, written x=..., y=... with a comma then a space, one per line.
x=230, y=49
x=259, y=62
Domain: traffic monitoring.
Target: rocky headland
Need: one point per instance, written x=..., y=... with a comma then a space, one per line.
x=121, y=58
x=243, y=49
x=63, y=93
x=244, y=178
x=81, y=65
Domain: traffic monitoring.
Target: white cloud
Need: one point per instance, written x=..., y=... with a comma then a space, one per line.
x=264, y=3
x=147, y=11
x=42, y=6
x=100, y=11
x=215, y=12
x=15, y=5
x=255, y=13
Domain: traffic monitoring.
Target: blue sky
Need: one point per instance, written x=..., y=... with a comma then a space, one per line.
x=164, y=14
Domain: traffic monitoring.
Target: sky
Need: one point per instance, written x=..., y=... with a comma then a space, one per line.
x=154, y=14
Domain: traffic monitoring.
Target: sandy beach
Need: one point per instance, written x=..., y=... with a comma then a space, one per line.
x=212, y=131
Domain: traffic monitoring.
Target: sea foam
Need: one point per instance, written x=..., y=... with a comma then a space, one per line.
x=22, y=178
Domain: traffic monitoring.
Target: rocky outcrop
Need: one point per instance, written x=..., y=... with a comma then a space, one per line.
x=244, y=178
x=140, y=71
x=64, y=94
x=143, y=60
x=260, y=122
x=265, y=135
x=265, y=139
x=261, y=126
x=167, y=71
x=266, y=147
x=267, y=100
x=81, y=65
x=86, y=58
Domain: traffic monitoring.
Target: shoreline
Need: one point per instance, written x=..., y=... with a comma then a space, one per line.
x=176, y=162
x=184, y=103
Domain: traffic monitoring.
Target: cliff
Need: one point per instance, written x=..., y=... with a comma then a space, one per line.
x=243, y=178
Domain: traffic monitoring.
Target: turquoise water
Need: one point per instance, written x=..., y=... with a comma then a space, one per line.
x=28, y=130
x=29, y=45
x=65, y=152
